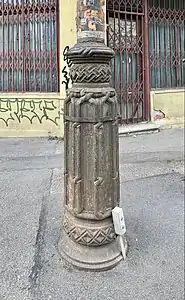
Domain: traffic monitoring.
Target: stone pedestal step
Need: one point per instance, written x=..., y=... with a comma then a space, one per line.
x=139, y=128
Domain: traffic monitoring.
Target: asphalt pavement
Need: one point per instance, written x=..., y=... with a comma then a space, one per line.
x=31, y=207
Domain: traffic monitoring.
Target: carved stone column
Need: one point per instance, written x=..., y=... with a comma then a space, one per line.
x=92, y=189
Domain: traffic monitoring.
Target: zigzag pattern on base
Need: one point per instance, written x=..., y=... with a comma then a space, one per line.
x=89, y=236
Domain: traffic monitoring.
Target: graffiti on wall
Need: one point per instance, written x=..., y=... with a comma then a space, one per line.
x=20, y=109
x=65, y=72
x=91, y=18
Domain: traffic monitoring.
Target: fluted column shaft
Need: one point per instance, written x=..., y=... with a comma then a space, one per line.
x=91, y=183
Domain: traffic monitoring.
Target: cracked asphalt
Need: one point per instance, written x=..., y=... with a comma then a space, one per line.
x=31, y=206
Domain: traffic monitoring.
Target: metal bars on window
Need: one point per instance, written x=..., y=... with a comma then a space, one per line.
x=167, y=43
x=126, y=38
x=28, y=46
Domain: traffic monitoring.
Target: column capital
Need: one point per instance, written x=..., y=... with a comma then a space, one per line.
x=90, y=51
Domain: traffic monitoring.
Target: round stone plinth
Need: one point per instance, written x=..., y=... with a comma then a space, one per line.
x=90, y=258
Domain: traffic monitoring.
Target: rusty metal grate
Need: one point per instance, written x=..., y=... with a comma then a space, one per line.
x=126, y=36
x=28, y=46
x=167, y=43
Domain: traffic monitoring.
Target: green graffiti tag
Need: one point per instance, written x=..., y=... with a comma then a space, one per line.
x=19, y=109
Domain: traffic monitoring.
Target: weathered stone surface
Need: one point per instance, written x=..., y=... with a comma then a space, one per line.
x=91, y=160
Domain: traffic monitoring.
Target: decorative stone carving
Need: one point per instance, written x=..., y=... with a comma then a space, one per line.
x=92, y=234
x=95, y=176
x=90, y=73
x=91, y=160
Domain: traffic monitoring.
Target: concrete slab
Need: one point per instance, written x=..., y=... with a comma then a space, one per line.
x=21, y=195
x=24, y=147
x=154, y=267
x=31, y=207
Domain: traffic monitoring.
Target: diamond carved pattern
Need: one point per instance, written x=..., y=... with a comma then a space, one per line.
x=90, y=236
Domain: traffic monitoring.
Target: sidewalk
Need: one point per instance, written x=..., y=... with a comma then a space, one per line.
x=31, y=193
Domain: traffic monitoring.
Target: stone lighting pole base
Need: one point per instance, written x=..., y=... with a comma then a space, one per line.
x=90, y=258
x=92, y=189
x=91, y=144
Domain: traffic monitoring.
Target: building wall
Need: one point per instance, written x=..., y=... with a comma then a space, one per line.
x=167, y=107
x=39, y=114
x=30, y=115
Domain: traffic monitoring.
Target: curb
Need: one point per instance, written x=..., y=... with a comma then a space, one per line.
x=142, y=128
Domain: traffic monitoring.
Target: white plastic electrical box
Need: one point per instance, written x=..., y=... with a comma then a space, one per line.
x=118, y=220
